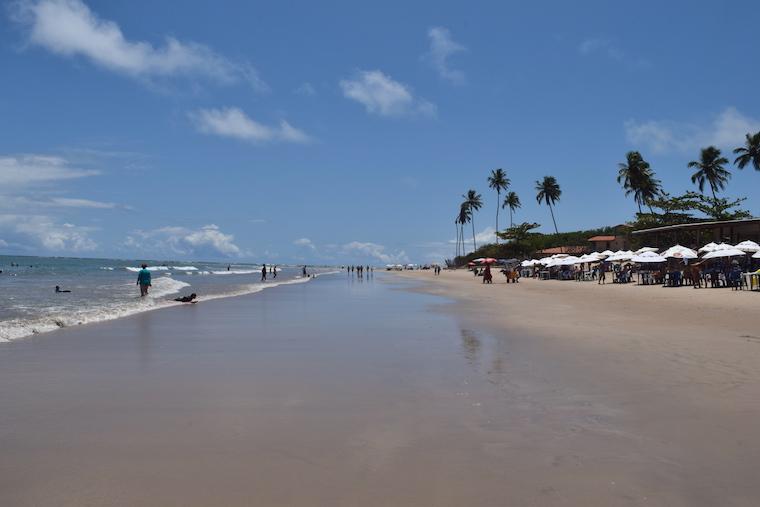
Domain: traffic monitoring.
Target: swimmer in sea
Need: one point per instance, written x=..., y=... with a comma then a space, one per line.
x=187, y=299
x=58, y=289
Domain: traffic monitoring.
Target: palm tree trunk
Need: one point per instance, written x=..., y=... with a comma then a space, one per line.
x=555, y=222
x=498, y=201
x=474, y=246
x=456, y=248
x=511, y=223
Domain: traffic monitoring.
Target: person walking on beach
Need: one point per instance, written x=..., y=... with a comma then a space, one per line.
x=143, y=280
x=602, y=276
x=264, y=273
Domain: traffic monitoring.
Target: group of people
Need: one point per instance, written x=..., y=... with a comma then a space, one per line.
x=436, y=270
x=272, y=271
x=360, y=270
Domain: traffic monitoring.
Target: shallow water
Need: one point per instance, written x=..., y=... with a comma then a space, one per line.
x=104, y=289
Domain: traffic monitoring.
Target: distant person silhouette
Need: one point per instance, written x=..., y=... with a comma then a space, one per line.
x=264, y=273
x=57, y=288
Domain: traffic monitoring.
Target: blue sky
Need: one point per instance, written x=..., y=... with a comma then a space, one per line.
x=347, y=132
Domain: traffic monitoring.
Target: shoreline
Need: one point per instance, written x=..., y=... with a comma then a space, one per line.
x=50, y=324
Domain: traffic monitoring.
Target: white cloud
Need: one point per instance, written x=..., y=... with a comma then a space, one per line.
x=232, y=122
x=306, y=89
x=382, y=95
x=44, y=232
x=208, y=239
x=602, y=46
x=70, y=28
x=487, y=235
x=305, y=242
x=726, y=131
x=375, y=251
x=27, y=170
x=443, y=46
x=66, y=202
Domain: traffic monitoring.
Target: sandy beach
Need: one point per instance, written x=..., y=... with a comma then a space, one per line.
x=399, y=390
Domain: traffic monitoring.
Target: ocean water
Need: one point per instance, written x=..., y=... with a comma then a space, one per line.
x=105, y=289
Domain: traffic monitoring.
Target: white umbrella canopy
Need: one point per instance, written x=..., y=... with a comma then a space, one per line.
x=728, y=252
x=645, y=249
x=607, y=253
x=708, y=247
x=648, y=257
x=756, y=255
x=680, y=252
x=621, y=255
x=748, y=246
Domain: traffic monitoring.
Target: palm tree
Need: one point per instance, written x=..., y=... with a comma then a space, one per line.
x=750, y=152
x=474, y=202
x=711, y=170
x=511, y=201
x=637, y=178
x=465, y=215
x=549, y=192
x=498, y=181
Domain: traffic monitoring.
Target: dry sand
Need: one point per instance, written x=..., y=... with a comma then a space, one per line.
x=348, y=393
x=653, y=391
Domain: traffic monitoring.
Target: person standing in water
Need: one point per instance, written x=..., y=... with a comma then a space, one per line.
x=143, y=280
x=274, y=272
x=264, y=273
x=304, y=273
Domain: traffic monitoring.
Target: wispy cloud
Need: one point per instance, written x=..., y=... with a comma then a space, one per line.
x=382, y=95
x=442, y=48
x=487, y=235
x=208, y=239
x=606, y=48
x=234, y=123
x=305, y=243
x=69, y=28
x=306, y=89
x=374, y=251
x=27, y=170
x=726, y=130
x=45, y=232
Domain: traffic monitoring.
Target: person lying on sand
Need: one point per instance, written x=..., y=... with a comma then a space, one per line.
x=187, y=299
x=58, y=289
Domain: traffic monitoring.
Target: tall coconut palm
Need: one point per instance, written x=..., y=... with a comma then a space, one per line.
x=749, y=153
x=498, y=181
x=464, y=216
x=511, y=201
x=474, y=202
x=548, y=191
x=710, y=170
x=637, y=178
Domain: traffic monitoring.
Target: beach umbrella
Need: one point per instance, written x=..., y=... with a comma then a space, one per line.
x=756, y=255
x=489, y=260
x=645, y=249
x=724, y=252
x=621, y=255
x=527, y=264
x=607, y=253
x=708, y=247
x=648, y=257
x=748, y=247
x=680, y=252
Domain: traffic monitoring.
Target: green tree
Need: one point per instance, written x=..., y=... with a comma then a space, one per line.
x=710, y=169
x=498, y=181
x=749, y=153
x=465, y=215
x=511, y=201
x=548, y=191
x=474, y=202
x=637, y=178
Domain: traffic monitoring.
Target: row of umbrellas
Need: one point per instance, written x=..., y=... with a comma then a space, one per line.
x=650, y=255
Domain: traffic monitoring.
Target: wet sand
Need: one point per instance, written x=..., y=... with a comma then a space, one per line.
x=346, y=393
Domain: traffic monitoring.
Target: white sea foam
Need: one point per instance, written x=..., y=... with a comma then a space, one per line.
x=150, y=268
x=185, y=268
x=163, y=286
x=107, y=268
